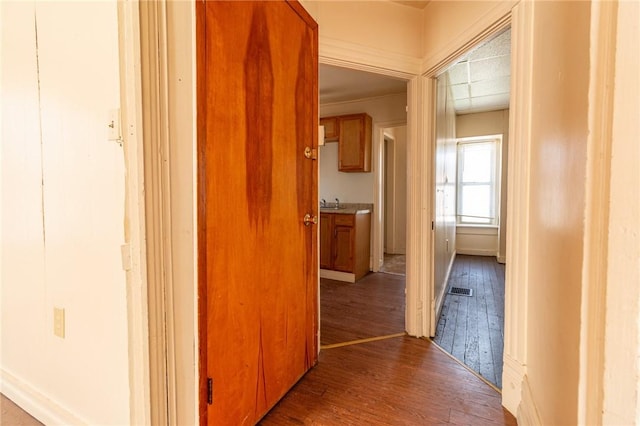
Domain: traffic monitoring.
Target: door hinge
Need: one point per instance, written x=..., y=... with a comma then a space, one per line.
x=432, y=225
x=209, y=390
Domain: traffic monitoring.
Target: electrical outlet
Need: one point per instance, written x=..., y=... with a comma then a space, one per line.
x=58, y=322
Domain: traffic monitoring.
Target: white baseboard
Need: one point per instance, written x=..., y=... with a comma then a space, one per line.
x=439, y=298
x=528, y=414
x=32, y=401
x=338, y=276
x=475, y=252
x=512, y=375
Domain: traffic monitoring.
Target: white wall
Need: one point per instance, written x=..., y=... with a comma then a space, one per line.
x=379, y=34
x=621, y=403
x=469, y=239
x=356, y=187
x=62, y=214
x=559, y=132
x=445, y=183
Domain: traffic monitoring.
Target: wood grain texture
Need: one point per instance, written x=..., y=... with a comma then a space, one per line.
x=398, y=381
x=362, y=245
x=472, y=328
x=257, y=110
x=373, y=306
x=13, y=415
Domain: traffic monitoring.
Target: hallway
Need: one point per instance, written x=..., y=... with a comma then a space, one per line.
x=397, y=380
x=472, y=328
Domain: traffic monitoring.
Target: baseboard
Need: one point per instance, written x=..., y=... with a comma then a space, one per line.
x=476, y=252
x=528, y=414
x=512, y=375
x=439, y=298
x=501, y=259
x=338, y=276
x=43, y=408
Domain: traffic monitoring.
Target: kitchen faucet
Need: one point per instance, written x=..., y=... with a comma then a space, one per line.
x=337, y=203
x=323, y=202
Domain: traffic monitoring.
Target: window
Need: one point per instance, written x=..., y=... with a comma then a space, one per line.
x=478, y=180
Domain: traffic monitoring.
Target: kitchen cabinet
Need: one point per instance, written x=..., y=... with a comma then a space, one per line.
x=354, y=143
x=345, y=242
x=331, y=128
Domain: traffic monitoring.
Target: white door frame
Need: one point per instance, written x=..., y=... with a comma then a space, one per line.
x=134, y=252
x=378, y=160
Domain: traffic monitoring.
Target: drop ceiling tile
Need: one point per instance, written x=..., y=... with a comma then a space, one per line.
x=494, y=86
x=490, y=68
x=461, y=105
x=493, y=101
x=460, y=91
x=459, y=73
x=498, y=46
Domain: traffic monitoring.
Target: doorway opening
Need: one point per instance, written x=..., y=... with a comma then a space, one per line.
x=470, y=163
x=347, y=313
x=394, y=199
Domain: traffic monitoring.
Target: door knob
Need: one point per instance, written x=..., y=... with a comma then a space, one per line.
x=309, y=219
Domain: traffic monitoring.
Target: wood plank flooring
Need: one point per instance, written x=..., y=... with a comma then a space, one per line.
x=396, y=381
x=472, y=328
x=12, y=415
x=373, y=306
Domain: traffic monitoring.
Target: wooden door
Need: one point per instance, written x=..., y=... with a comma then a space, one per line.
x=258, y=268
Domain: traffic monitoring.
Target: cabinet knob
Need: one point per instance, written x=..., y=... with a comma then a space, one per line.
x=309, y=219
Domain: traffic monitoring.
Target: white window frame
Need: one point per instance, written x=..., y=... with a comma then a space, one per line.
x=494, y=184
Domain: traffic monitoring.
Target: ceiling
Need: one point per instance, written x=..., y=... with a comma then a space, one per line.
x=343, y=84
x=480, y=80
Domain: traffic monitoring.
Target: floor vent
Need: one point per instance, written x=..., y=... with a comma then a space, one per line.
x=459, y=291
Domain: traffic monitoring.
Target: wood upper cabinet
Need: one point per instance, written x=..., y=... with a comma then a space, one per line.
x=345, y=242
x=354, y=144
x=331, y=128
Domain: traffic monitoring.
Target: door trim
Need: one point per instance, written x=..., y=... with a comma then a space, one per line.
x=165, y=35
x=135, y=247
x=377, y=220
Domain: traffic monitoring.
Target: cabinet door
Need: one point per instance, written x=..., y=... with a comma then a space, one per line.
x=354, y=150
x=326, y=240
x=343, y=248
x=331, y=128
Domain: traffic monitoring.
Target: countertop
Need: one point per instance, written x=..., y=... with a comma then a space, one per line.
x=348, y=208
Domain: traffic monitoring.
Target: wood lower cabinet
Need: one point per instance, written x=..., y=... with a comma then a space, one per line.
x=345, y=242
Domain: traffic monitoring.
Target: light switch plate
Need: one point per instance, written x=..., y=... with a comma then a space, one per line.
x=58, y=322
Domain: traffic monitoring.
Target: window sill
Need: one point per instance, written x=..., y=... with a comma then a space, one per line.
x=476, y=225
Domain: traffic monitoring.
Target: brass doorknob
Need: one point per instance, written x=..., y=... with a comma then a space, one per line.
x=309, y=219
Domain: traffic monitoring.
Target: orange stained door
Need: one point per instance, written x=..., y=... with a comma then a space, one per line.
x=258, y=261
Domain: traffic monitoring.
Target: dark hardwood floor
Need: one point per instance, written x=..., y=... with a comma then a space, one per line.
x=373, y=306
x=396, y=381
x=472, y=328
